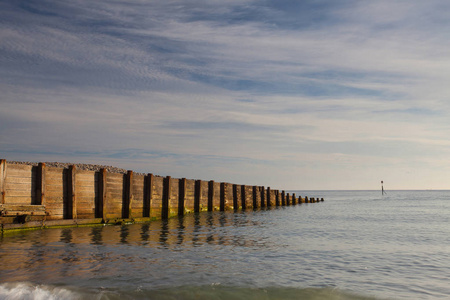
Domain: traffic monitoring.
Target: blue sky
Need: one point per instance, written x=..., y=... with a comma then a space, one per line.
x=287, y=94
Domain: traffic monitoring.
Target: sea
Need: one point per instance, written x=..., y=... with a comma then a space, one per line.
x=354, y=245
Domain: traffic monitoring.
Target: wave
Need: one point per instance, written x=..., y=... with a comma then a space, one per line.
x=30, y=291
x=25, y=291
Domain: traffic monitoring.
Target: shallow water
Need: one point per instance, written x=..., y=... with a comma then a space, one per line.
x=355, y=245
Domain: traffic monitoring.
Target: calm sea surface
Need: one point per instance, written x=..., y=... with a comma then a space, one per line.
x=355, y=245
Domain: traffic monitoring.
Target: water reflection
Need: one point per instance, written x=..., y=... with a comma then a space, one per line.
x=145, y=235
x=124, y=232
x=181, y=230
x=96, y=236
x=58, y=253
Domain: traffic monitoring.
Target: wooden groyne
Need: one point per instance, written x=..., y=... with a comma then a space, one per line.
x=44, y=196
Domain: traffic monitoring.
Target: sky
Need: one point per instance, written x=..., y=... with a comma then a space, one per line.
x=299, y=95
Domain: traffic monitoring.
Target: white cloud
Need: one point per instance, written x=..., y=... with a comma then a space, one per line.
x=228, y=98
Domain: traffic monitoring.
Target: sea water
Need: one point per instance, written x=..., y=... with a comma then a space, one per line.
x=355, y=245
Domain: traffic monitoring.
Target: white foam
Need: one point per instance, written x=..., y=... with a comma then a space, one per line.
x=28, y=291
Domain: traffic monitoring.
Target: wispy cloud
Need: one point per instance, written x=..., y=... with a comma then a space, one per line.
x=290, y=94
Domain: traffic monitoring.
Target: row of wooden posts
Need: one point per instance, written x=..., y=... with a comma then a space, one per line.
x=69, y=193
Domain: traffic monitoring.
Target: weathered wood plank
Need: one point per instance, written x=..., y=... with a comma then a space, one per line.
x=190, y=195
x=15, y=210
x=18, y=199
x=115, y=177
x=54, y=188
x=112, y=216
x=216, y=196
x=85, y=172
x=84, y=211
x=22, y=207
x=103, y=197
x=85, y=189
x=86, y=195
x=55, y=210
x=54, y=202
x=17, y=180
x=53, y=183
x=55, y=175
x=114, y=196
x=86, y=179
x=85, y=216
x=18, y=169
x=85, y=202
x=55, y=180
x=90, y=200
x=18, y=192
x=55, y=217
x=18, y=186
x=116, y=187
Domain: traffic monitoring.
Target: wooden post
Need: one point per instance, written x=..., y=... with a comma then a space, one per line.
x=2, y=180
x=148, y=194
x=288, y=199
x=210, y=195
x=306, y=199
x=181, y=196
x=277, y=198
x=263, y=195
x=197, y=195
x=41, y=184
x=268, y=197
x=71, y=188
x=102, y=194
x=294, y=199
x=244, y=206
x=166, y=197
x=235, y=197
x=255, y=191
x=128, y=213
x=283, y=199
x=222, y=196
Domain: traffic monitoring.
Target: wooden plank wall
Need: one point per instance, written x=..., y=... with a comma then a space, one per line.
x=237, y=196
x=18, y=184
x=157, y=193
x=115, y=196
x=189, y=196
x=55, y=193
x=228, y=205
x=137, y=201
x=216, y=196
x=68, y=193
x=248, y=196
x=86, y=193
x=273, y=198
x=204, y=195
x=174, y=197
